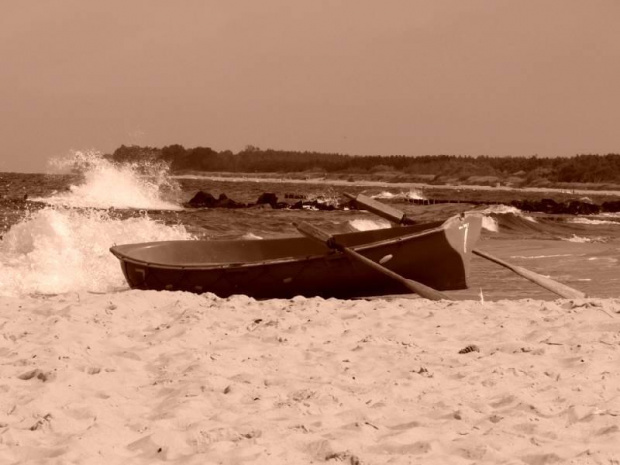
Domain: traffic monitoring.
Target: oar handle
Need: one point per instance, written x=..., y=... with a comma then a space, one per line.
x=414, y=286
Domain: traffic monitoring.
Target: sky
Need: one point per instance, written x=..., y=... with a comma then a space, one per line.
x=361, y=77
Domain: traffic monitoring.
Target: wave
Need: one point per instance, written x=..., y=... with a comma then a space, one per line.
x=506, y=210
x=593, y=221
x=490, y=224
x=582, y=239
x=57, y=250
x=510, y=222
x=105, y=184
x=497, y=217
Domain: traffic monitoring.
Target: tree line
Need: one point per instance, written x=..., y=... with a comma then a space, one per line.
x=585, y=168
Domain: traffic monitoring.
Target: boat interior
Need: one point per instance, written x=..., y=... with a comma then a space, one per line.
x=214, y=252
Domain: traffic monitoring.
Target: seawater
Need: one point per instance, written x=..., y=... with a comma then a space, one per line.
x=57, y=228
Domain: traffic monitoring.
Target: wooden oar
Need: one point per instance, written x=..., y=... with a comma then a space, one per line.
x=399, y=217
x=558, y=288
x=414, y=286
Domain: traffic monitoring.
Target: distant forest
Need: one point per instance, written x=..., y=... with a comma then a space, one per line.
x=531, y=171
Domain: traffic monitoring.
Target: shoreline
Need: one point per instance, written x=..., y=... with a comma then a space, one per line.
x=281, y=178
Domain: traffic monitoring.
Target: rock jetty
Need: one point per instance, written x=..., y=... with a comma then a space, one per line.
x=206, y=200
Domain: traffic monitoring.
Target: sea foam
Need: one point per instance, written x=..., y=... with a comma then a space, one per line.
x=412, y=194
x=64, y=247
x=56, y=250
x=490, y=222
x=507, y=210
x=368, y=225
x=105, y=184
x=593, y=221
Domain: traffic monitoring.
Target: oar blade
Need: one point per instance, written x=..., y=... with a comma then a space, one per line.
x=556, y=287
x=313, y=232
x=378, y=208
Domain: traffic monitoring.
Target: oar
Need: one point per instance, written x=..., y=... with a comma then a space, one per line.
x=399, y=217
x=414, y=286
x=560, y=289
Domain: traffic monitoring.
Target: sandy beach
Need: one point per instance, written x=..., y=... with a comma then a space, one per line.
x=140, y=377
x=152, y=148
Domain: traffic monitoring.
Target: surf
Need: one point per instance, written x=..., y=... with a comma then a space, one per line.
x=58, y=250
x=62, y=244
x=104, y=184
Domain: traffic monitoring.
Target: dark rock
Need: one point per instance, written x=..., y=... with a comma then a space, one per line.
x=224, y=202
x=267, y=197
x=611, y=207
x=323, y=206
x=577, y=207
x=525, y=205
x=550, y=206
x=205, y=199
x=292, y=196
x=202, y=199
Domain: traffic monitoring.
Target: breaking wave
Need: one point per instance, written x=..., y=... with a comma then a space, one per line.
x=57, y=250
x=105, y=184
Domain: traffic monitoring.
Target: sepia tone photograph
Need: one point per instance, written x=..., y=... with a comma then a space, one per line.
x=309, y=232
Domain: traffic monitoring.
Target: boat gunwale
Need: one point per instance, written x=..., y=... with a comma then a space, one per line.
x=209, y=267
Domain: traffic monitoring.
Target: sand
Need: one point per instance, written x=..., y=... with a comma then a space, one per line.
x=147, y=377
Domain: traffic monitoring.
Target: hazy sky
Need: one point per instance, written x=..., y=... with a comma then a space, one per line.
x=408, y=77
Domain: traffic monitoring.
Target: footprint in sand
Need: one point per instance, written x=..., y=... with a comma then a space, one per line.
x=38, y=374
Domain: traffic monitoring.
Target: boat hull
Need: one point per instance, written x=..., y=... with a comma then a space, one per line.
x=436, y=254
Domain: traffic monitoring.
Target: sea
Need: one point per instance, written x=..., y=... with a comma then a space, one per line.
x=57, y=227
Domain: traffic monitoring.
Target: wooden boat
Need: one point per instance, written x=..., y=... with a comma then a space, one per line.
x=436, y=254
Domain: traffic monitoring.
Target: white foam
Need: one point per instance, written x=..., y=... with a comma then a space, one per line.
x=57, y=250
x=605, y=259
x=578, y=239
x=106, y=184
x=490, y=224
x=368, y=225
x=251, y=236
x=507, y=210
x=330, y=198
x=581, y=220
x=542, y=256
x=410, y=195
